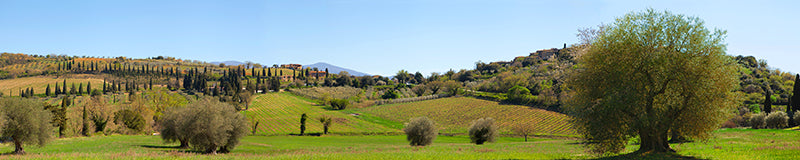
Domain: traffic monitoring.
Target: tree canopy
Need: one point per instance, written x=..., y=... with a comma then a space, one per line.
x=648, y=75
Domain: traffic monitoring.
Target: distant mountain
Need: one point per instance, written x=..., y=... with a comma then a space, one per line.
x=228, y=63
x=334, y=69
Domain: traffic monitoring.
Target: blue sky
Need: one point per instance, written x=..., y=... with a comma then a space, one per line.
x=372, y=36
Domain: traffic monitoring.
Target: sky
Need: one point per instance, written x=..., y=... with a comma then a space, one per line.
x=372, y=36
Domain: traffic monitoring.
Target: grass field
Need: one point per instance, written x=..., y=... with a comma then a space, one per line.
x=727, y=144
x=39, y=84
x=454, y=115
x=279, y=114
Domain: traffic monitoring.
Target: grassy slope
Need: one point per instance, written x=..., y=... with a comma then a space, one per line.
x=454, y=115
x=727, y=144
x=39, y=84
x=279, y=114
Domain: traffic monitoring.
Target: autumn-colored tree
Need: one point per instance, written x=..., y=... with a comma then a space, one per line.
x=648, y=74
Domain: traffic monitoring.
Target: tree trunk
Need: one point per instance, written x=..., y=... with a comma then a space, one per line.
x=184, y=144
x=677, y=138
x=653, y=141
x=18, y=147
x=526, y=137
x=326, y=130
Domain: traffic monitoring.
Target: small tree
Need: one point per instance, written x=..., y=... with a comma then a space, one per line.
x=25, y=122
x=777, y=120
x=303, y=123
x=519, y=95
x=482, y=130
x=420, y=131
x=523, y=129
x=326, y=123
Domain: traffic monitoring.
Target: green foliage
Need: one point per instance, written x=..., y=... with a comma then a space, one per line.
x=420, y=131
x=636, y=81
x=26, y=122
x=130, y=119
x=483, y=130
x=339, y=104
x=520, y=95
x=390, y=94
x=777, y=120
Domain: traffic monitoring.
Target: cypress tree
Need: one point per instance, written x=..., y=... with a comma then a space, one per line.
x=88, y=87
x=151, y=84
x=80, y=89
x=58, y=90
x=64, y=89
x=303, y=123
x=72, y=89
x=767, y=99
x=47, y=91
x=85, y=128
x=794, y=101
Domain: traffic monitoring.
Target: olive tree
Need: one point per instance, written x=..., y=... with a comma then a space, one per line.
x=650, y=74
x=482, y=130
x=172, y=126
x=26, y=122
x=207, y=125
x=420, y=131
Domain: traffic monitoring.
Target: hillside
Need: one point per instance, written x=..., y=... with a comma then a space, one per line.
x=279, y=114
x=454, y=115
x=334, y=69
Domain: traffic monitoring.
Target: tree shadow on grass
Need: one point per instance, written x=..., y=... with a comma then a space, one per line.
x=176, y=149
x=654, y=156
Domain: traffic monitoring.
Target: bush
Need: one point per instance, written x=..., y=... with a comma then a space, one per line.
x=25, y=122
x=520, y=95
x=420, y=131
x=131, y=119
x=757, y=121
x=390, y=94
x=777, y=120
x=209, y=125
x=796, y=117
x=482, y=130
x=339, y=104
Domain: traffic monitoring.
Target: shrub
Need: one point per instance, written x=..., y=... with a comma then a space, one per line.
x=25, y=122
x=757, y=121
x=420, y=131
x=131, y=119
x=390, y=94
x=482, y=130
x=519, y=95
x=796, y=117
x=777, y=120
x=339, y=104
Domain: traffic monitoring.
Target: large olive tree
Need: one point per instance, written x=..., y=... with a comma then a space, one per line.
x=648, y=75
x=26, y=122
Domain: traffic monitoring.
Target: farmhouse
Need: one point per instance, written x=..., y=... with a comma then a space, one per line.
x=317, y=73
x=546, y=54
x=292, y=66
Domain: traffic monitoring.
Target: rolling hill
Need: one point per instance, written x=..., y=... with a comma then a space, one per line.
x=454, y=115
x=279, y=114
